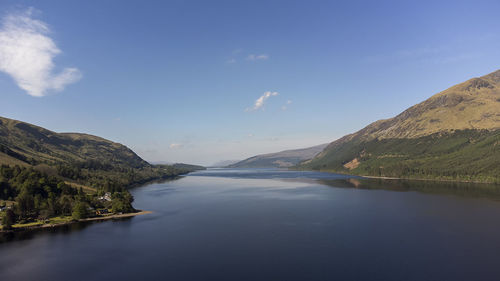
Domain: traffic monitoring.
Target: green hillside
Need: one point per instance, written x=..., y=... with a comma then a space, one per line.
x=454, y=135
x=80, y=158
x=469, y=155
x=49, y=177
x=35, y=145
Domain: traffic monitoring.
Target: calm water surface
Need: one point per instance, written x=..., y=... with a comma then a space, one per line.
x=276, y=225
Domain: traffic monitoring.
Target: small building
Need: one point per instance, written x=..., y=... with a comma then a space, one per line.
x=106, y=197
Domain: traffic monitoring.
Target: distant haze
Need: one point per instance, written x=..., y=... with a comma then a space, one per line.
x=224, y=163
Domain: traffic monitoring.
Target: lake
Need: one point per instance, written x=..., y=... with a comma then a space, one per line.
x=225, y=224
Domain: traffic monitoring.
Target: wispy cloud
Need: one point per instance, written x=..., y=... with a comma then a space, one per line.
x=239, y=55
x=27, y=53
x=285, y=106
x=176, y=145
x=253, y=57
x=259, y=103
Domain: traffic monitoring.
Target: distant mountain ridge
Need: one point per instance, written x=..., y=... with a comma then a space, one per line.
x=457, y=128
x=224, y=163
x=283, y=159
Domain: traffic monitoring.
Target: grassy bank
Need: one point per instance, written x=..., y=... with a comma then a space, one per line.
x=65, y=220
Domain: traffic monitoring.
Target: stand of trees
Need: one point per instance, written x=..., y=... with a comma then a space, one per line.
x=102, y=174
x=40, y=196
x=463, y=155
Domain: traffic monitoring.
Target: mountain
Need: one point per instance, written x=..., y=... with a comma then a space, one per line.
x=454, y=135
x=188, y=167
x=224, y=163
x=34, y=145
x=48, y=177
x=281, y=159
x=80, y=158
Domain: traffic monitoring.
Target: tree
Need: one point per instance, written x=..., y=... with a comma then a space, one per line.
x=65, y=204
x=118, y=206
x=79, y=211
x=44, y=214
x=9, y=219
x=52, y=205
x=25, y=204
x=122, y=202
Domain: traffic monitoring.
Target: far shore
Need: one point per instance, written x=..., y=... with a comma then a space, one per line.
x=428, y=179
x=396, y=178
x=100, y=218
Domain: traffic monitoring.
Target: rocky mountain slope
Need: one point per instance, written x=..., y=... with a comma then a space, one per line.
x=452, y=135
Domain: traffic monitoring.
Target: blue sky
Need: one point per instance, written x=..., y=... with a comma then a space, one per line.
x=179, y=81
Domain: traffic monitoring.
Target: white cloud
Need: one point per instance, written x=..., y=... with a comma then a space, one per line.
x=176, y=145
x=261, y=100
x=253, y=57
x=237, y=55
x=27, y=53
x=285, y=106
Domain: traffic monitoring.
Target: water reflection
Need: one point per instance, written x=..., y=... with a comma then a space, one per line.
x=233, y=225
x=61, y=229
x=472, y=190
x=464, y=189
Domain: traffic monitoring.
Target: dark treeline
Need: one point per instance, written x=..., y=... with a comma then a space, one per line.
x=37, y=196
x=101, y=174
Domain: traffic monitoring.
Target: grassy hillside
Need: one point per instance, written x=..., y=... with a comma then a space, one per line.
x=468, y=155
x=454, y=135
x=48, y=176
x=474, y=104
x=35, y=145
x=79, y=158
x=186, y=167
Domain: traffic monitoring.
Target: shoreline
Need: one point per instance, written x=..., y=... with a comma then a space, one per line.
x=116, y=216
x=395, y=178
x=103, y=218
x=424, y=179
